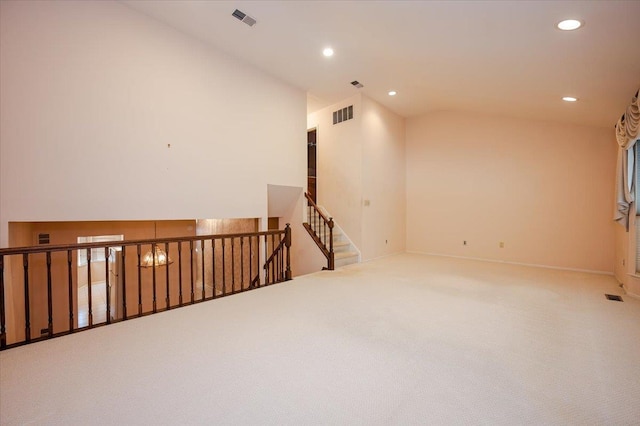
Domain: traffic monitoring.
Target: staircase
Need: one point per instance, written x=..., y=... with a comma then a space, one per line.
x=330, y=238
x=345, y=252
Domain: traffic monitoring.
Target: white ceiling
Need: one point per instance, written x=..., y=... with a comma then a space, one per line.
x=501, y=57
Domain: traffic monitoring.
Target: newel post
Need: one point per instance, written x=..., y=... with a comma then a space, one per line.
x=3, y=329
x=287, y=244
x=332, y=262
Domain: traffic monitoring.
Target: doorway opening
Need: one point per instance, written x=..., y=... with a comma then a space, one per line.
x=98, y=277
x=312, y=138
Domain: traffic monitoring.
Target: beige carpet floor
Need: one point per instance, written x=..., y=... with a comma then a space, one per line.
x=409, y=339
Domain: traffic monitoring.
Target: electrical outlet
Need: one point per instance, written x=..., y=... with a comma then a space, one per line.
x=501, y=244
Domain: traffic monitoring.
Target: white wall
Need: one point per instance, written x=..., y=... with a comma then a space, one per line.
x=92, y=93
x=363, y=159
x=383, y=181
x=542, y=188
x=339, y=166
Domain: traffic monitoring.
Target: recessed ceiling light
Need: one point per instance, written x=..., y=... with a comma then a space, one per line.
x=392, y=93
x=327, y=52
x=569, y=24
x=569, y=99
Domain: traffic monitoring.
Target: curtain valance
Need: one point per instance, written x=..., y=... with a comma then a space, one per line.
x=627, y=133
x=628, y=126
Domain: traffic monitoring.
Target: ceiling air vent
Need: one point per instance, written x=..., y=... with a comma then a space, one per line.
x=241, y=16
x=357, y=84
x=43, y=238
x=343, y=114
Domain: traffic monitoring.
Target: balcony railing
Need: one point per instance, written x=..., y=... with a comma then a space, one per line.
x=45, y=292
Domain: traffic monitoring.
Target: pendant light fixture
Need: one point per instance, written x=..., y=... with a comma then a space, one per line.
x=157, y=257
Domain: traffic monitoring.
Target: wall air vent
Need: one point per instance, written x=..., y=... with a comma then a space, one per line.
x=241, y=16
x=43, y=238
x=357, y=84
x=343, y=114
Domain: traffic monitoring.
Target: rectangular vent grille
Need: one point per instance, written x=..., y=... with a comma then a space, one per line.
x=343, y=114
x=357, y=84
x=236, y=13
x=249, y=21
x=43, y=238
x=241, y=16
x=613, y=297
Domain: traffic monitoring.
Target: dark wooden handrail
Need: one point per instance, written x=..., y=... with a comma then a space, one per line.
x=322, y=240
x=316, y=208
x=275, y=252
x=233, y=259
x=64, y=247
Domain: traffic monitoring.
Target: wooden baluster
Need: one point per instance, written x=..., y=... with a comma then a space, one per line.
x=332, y=261
x=287, y=244
x=27, y=313
x=3, y=327
x=153, y=276
x=281, y=255
x=49, y=298
x=276, y=265
x=213, y=266
x=259, y=261
x=124, y=283
x=106, y=284
x=191, y=269
x=166, y=267
x=89, y=287
x=266, y=264
x=224, y=277
x=241, y=263
x=203, y=260
x=250, y=262
x=139, y=282
x=180, y=273
x=273, y=261
x=233, y=266
x=274, y=268
x=70, y=282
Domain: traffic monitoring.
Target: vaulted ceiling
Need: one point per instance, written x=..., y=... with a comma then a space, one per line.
x=500, y=57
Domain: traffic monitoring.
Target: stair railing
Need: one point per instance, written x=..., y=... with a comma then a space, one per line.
x=274, y=267
x=39, y=293
x=320, y=227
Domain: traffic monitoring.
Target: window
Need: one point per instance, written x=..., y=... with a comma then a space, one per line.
x=635, y=188
x=97, y=254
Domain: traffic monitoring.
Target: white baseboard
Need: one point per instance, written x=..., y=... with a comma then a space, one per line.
x=628, y=293
x=534, y=265
x=383, y=256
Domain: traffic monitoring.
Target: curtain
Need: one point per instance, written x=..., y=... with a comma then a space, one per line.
x=624, y=185
x=629, y=124
x=627, y=132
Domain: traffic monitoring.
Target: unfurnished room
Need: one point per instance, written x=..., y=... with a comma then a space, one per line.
x=319, y=212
